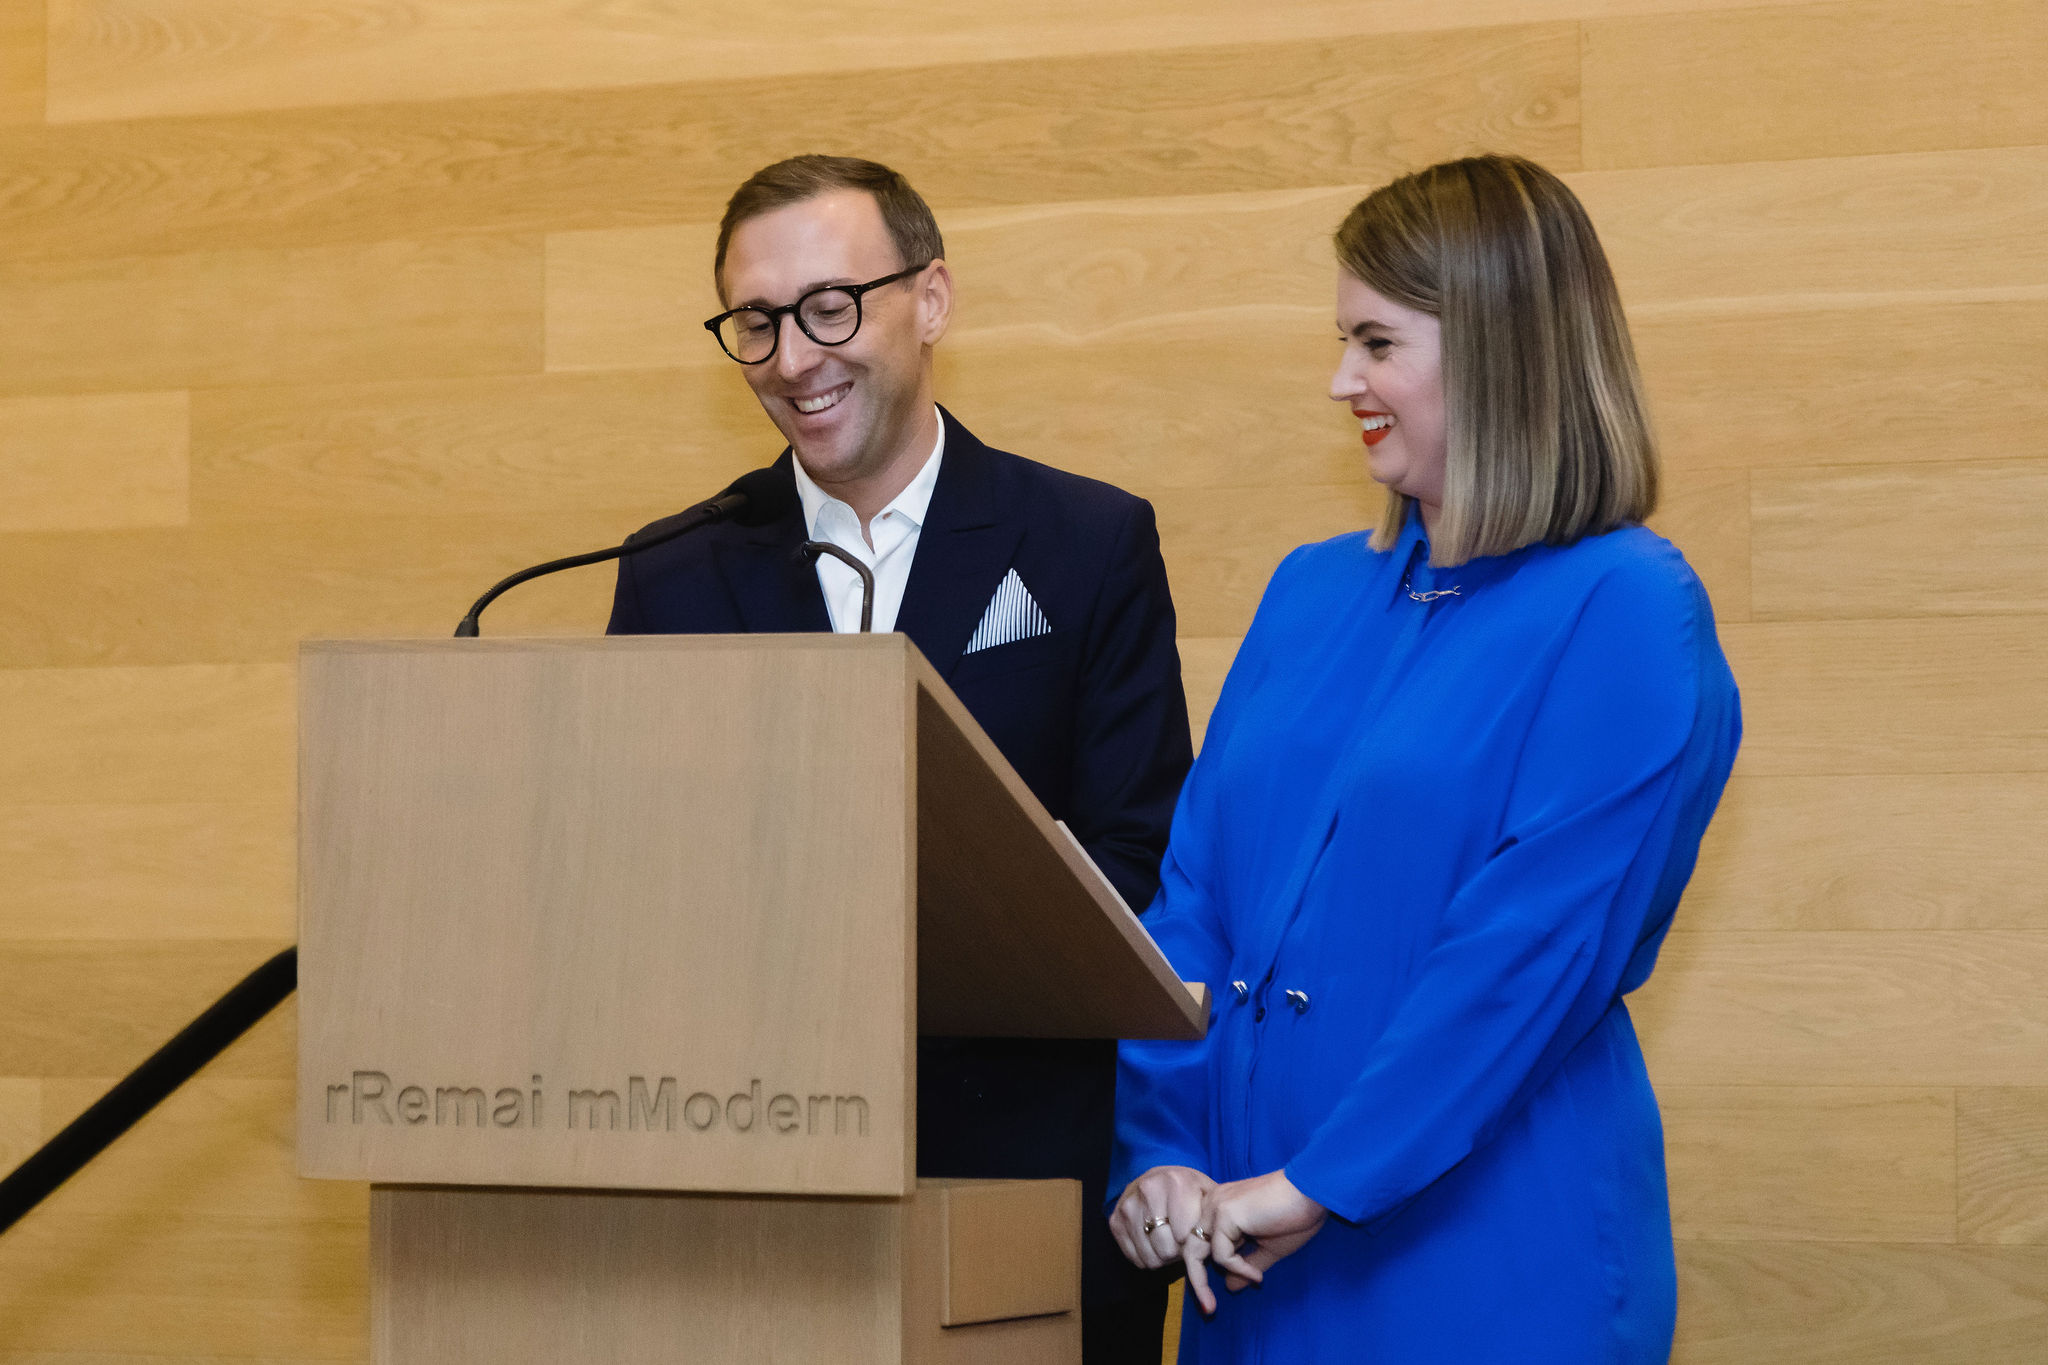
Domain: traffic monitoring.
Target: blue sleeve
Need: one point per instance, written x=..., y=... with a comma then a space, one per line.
x=1162, y=1088
x=1633, y=732
x=1130, y=743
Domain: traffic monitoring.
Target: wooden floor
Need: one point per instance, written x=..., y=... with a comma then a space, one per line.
x=314, y=320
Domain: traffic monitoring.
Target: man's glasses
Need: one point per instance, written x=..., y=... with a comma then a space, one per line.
x=829, y=316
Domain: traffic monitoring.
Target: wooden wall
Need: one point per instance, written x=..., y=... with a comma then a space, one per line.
x=314, y=319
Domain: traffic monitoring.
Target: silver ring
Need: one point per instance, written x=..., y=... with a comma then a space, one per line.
x=1200, y=1232
x=1151, y=1223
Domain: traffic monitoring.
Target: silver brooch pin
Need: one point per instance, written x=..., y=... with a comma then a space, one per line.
x=1431, y=596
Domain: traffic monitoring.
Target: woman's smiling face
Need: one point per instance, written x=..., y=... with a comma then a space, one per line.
x=1391, y=375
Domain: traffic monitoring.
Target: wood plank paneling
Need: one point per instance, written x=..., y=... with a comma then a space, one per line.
x=164, y=1283
x=1912, y=1007
x=1902, y=540
x=647, y=441
x=1920, y=696
x=200, y=870
x=432, y=276
x=217, y=1146
x=1956, y=377
x=251, y=591
x=2002, y=1160
x=386, y=311
x=21, y=1127
x=1204, y=663
x=127, y=735
x=1926, y=851
x=1780, y=1163
x=22, y=55
x=8, y=1357
x=130, y=59
x=1191, y=264
x=150, y=1233
x=627, y=298
x=1741, y=1303
x=1222, y=544
x=1246, y=408
x=1780, y=232
x=1066, y=274
x=94, y=462
x=1175, y=122
x=1705, y=513
x=1239, y=407
x=1764, y=386
x=98, y=1009
x=1815, y=80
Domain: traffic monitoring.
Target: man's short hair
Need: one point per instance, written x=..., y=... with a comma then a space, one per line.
x=904, y=212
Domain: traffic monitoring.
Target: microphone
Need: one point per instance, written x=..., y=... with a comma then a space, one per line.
x=753, y=499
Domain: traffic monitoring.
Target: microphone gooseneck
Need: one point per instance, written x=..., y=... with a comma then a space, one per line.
x=751, y=499
x=813, y=548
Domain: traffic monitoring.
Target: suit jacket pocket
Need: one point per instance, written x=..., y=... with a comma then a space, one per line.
x=1037, y=651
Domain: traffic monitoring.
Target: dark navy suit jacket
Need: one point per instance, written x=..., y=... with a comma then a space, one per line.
x=1092, y=716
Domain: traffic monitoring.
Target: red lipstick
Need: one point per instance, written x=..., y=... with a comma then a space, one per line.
x=1373, y=437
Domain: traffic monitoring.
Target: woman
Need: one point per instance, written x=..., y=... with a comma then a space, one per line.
x=1450, y=795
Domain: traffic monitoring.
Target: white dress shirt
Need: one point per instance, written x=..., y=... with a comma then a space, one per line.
x=895, y=530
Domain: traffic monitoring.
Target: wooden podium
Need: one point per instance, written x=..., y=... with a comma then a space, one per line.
x=613, y=958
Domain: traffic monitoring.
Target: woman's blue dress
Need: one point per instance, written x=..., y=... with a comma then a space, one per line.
x=1459, y=828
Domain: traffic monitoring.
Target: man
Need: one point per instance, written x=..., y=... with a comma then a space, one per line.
x=1039, y=596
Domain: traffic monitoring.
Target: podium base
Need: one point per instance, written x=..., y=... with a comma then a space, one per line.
x=964, y=1271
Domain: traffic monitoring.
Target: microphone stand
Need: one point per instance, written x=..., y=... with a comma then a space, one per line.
x=813, y=548
x=703, y=514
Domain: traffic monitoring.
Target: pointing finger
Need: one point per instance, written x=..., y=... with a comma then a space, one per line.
x=1191, y=1255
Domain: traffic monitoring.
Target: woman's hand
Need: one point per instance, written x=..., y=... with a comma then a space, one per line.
x=1267, y=1209
x=1154, y=1216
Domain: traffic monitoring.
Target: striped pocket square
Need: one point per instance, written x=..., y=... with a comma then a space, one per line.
x=1012, y=615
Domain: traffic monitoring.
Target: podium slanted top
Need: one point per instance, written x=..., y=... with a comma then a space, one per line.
x=669, y=911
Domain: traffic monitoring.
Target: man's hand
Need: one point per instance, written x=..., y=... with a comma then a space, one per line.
x=1266, y=1209
x=1154, y=1216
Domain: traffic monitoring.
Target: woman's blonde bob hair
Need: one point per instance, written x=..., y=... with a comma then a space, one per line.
x=1548, y=438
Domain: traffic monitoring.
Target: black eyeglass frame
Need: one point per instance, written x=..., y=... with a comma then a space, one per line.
x=775, y=315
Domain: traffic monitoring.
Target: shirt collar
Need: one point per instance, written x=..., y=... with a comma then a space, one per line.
x=1411, y=552
x=912, y=504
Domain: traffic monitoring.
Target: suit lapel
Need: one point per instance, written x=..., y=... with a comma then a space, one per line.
x=963, y=551
x=773, y=585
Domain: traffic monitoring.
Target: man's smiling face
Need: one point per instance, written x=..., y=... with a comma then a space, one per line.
x=851, y=410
